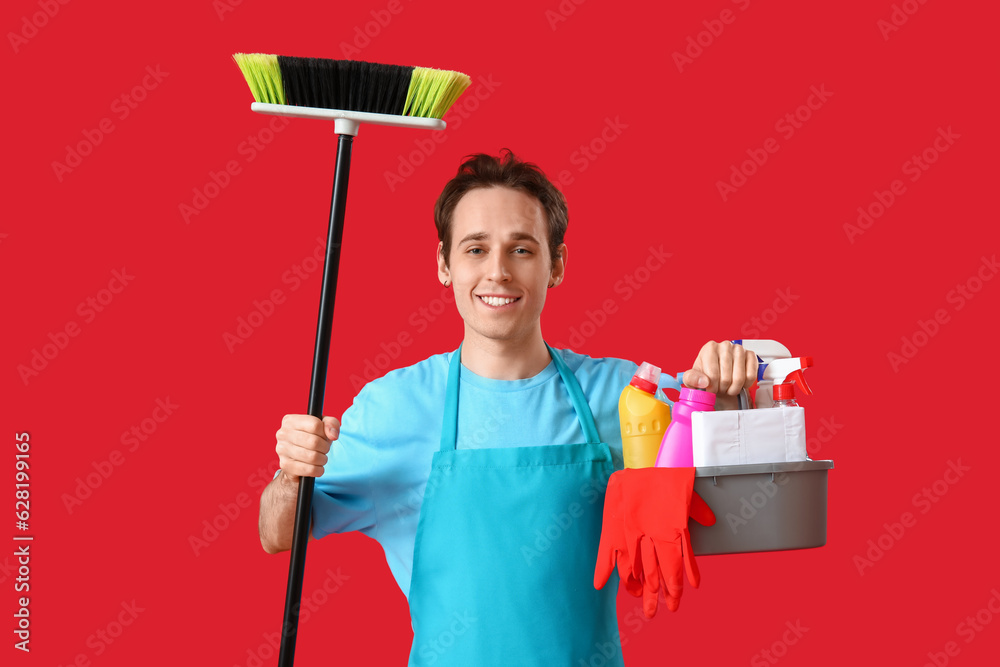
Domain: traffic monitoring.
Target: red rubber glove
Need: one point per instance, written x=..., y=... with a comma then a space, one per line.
x=645, y=531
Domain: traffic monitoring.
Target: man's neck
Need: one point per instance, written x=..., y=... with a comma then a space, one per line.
x=505, y=360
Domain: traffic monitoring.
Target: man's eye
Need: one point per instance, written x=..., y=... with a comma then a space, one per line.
x=475, y=251
x=522, y=251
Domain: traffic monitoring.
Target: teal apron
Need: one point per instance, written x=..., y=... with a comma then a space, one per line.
x=503, y=564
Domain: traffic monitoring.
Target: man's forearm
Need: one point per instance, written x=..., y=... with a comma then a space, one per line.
x=277, y=514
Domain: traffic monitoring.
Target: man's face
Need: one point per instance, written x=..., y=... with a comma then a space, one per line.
x=500, y=267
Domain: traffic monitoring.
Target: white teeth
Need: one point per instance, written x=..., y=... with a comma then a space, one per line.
x=496, y=301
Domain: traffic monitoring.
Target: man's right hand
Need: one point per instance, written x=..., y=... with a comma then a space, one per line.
x=303, y=442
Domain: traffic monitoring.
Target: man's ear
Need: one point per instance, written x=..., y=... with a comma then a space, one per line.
x=558, y=266
x=443, y=273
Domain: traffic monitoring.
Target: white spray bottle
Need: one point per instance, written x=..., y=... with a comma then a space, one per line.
x=783, y=375
x=767, y=351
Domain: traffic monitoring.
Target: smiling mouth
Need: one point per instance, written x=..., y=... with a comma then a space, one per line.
x=498, y=302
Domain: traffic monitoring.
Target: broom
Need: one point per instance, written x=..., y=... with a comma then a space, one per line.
x=349, y=93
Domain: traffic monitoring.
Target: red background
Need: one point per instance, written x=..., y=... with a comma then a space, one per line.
x=855, y=300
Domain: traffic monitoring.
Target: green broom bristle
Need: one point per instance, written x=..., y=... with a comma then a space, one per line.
x=433, y=91
x=262, y=75
x=351, y=85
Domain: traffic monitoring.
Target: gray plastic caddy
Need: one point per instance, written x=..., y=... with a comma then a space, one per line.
x=762, y=507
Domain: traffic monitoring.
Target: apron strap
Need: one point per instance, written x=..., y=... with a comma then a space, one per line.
x=449, y=425
x=580, y=403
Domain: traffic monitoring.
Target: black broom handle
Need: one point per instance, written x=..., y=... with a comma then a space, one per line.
x=317, y=387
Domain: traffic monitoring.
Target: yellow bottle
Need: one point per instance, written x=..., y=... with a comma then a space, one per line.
x=643, y=417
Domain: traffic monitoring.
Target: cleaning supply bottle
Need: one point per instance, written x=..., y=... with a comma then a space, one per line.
x=766, y=350
x=677, y=448
x=783, y=375
x=643, y=418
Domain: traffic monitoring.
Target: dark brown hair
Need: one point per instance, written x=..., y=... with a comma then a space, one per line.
x=506, y=170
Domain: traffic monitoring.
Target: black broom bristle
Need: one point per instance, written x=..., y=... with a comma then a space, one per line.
x=351, y=85
x=345, y=84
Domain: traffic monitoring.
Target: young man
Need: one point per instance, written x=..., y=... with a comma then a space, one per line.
x=482, y=471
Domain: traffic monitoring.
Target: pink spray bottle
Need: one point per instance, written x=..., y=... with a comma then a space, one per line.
x=677, y=448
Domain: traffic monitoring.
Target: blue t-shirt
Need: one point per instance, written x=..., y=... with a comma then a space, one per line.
x=379, y=466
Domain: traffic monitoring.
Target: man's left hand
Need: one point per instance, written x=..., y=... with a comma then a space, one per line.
x=724, y=369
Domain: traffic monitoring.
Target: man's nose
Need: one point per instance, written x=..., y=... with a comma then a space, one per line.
x=498, y=268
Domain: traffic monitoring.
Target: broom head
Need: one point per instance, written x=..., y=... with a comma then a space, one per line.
x=350, y=85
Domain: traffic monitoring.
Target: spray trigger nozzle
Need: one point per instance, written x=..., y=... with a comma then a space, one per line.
x=784, y=374
x=799, y=378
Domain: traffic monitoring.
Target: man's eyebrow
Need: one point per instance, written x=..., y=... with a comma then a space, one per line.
x=524, y=236
x=475, y=236
x=482, y=236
